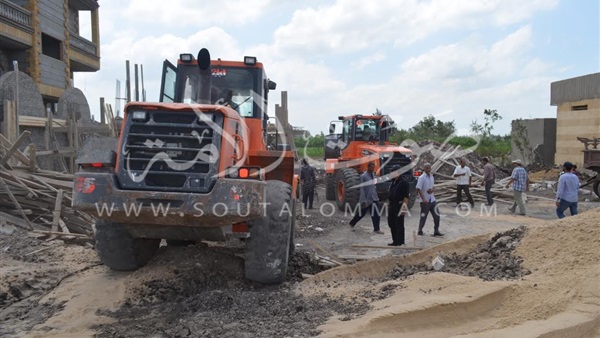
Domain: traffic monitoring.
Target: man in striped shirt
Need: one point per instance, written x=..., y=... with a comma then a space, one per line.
x=520, y=181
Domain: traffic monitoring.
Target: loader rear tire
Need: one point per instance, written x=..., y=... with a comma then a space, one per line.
x=597, y=187
x=330, y=187
x=268, y=247
x=119, y=250
x=347, y=192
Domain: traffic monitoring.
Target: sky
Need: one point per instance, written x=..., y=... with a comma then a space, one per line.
x=407, y=58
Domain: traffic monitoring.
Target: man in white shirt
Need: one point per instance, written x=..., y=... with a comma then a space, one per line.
x=428, y=203
x=463, y=176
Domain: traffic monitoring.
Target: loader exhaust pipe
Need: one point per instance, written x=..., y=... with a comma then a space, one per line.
x=205, y=78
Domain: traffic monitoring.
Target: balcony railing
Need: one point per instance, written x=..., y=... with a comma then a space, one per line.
x=15, y=14
x=82, y=44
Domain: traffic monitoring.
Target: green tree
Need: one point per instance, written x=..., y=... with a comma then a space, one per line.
x=430, y=127
x=490, y=116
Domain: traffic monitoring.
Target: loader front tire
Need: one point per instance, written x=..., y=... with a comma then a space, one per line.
x=119, y=250
x=347, y=190
x=268, y=247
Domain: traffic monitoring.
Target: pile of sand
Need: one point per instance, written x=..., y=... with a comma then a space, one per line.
x=560, y=298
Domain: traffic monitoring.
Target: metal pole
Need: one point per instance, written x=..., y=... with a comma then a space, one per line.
x=137, y=91
x=17, y=104
x=102, y=113
x=142, y=77
x=128, y=82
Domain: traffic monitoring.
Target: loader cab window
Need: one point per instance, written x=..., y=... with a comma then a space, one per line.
x=168, y=82
x=367, y=130
x=347, y=132
x=240, y=88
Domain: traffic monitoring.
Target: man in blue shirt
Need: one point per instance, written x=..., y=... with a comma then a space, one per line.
x=521, y=183
x=567, y=191
x=369, y=201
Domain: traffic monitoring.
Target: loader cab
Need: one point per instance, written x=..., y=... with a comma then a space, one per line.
x=356, y=128
x=360, y=128
x=241, y=85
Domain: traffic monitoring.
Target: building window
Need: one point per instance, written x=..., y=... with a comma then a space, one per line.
x=51, y=47
x=581, y=107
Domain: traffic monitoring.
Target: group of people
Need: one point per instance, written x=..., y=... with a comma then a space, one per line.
x=399, y=191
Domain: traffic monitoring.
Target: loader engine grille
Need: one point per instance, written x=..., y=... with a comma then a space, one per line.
x=390, y=160
x=170, y=151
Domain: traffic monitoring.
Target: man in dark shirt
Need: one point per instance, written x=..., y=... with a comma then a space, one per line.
x=489, y=176
x=398, y=205
x=308, y=178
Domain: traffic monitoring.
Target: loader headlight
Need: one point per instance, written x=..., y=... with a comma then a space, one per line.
x=139, y=116
x=249, y=60
x=186, y=57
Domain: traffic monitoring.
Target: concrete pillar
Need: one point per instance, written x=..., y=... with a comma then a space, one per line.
x=35, y=51
x=96, y=30
x=67, y=46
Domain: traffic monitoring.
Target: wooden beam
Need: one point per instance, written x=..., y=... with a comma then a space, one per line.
x=360, y=246
x=54, y=182
x=9, y=124
x=102, y=111
x=50, y=233
x=41, y=122
x=15, y=147
x=15, y=220
x=102, y=130
x=18, y=154
x=61, y=152
x=32, y=166
x=331, y=256
x=75, y=140
x=358, y=257
x=56, y=212
x=17, y=205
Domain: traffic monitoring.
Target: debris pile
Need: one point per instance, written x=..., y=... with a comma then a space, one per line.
x=38, y=200
x=444, y=159
x=197, y=301
x=492, y=260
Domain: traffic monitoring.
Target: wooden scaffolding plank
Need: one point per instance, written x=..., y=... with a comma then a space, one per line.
x=15, y=147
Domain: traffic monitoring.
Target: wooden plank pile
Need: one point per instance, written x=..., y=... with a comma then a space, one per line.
x=445, y=187
x=38, y=200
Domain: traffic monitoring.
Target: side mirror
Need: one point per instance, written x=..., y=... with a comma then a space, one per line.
x=272, y=85
x=332, y=128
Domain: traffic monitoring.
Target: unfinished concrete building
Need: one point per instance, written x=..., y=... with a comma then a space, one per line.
x=44, y=38
x=534, y=140
x=577, y=102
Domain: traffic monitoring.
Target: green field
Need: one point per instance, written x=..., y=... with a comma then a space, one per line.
x=316, y=153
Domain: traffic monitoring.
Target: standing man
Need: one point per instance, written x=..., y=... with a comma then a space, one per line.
x=369, y=201
x=308, y=177
x=566, y=193
x=521, y=183
x=428, y=202
x=398, y=205
x=489, y=177
x=463, y=176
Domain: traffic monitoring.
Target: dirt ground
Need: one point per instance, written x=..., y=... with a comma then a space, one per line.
x=526, y=276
